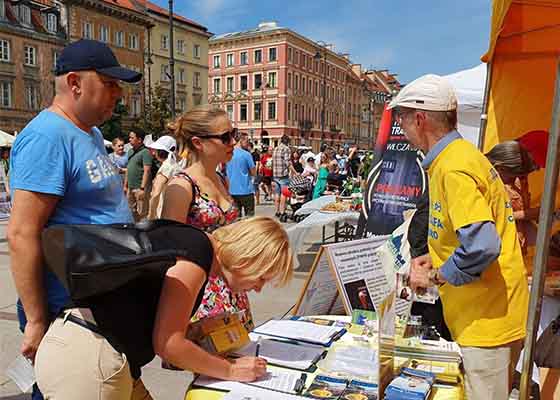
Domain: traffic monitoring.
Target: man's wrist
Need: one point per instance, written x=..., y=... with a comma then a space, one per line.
x=435, y=277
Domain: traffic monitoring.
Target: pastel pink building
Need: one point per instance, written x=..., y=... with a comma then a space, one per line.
x=275, y=73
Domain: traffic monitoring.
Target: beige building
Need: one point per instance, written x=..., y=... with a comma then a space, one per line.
x=191, y=58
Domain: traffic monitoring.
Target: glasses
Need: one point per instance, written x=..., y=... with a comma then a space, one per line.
x=402, y=114
x=225, y=137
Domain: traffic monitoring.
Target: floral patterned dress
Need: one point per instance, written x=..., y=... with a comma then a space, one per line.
x=206, y=214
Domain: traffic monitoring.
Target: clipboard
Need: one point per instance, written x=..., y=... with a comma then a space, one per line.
x=334, y=337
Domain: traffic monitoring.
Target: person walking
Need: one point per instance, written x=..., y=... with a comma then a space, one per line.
x=282, y=169
x=61, y=174
x=239, y=171
x=164, y=151
x=475, y=256
x=119, y=157
x=138, y=181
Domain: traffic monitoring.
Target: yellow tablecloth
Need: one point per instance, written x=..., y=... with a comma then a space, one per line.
x=454, y=393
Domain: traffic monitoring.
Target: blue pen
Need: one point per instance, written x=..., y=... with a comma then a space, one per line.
x=258, y=348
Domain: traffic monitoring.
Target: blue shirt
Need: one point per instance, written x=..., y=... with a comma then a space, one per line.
x=119, y=161
x=53, y=156
x=480, y=242
x=238, y=173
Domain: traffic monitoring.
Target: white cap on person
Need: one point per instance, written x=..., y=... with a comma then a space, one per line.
x=429, y=92
x=166, y=143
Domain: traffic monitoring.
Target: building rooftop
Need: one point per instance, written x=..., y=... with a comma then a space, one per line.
x=162, y=11
x=263, y=27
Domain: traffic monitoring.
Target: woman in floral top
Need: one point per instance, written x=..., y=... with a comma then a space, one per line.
x=198, y=195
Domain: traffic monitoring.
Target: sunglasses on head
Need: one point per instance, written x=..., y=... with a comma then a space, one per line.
x=225, y=137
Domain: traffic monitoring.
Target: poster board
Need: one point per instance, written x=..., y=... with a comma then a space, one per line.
x=359, y=274
x=5, y=200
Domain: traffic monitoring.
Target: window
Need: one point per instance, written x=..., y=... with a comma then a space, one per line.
x=196, y=80
x=272, y=54
x=182, y=75
x=87, y=30
x=216, y=61
x=257, y=111
x=243, y=58
x=243, y=82
x=4, y=50
x=257, y=81
x=5, y=94
x=229, y=110
x=258, y=57
x=229, y=84
x=182, y=106
x=289, y=111
x=181, y=46
x=2, y=10
x=103, y=34
x=243, y=112
x=52, y=24
x=289, y=83
x=135, y=106
x=32, y=97
x=272, y=110
x=164, y=73
x=271, y=79
x=290, y=54
x=133, y=41
x=24, y=14
x=196, y=51
x=55, y=58
x=119, y=38
x=30, y=55
x=296, y=82
x=303, y=84
x=164, y=42
x=217, y=86
x=229, y=60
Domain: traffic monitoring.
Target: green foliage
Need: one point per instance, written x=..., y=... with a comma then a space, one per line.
x=157, y=113
x=112, y=128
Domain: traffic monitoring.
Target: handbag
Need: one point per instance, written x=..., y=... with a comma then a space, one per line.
x=90, y=260
x=547, y=350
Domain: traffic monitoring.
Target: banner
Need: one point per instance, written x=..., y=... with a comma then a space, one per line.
x=396, y=180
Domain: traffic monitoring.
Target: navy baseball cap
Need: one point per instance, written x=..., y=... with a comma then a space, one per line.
x=91, y=55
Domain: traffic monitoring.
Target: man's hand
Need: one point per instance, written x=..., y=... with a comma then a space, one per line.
x=419, y=271
x=140, y=193
x=32, y=336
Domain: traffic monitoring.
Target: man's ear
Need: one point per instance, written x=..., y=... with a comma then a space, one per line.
x=74, y=82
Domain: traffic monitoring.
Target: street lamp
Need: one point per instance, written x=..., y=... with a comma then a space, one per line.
x=171, y=59
x=322, y=54
x=263, y=87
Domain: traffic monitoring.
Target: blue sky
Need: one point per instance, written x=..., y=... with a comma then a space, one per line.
x=408, y=37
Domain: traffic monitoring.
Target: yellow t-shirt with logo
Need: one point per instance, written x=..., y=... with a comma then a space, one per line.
x=465, y=189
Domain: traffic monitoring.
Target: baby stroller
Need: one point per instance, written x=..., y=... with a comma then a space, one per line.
x=301, y=188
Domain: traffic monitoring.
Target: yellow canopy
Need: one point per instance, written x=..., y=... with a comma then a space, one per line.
x=523, y=52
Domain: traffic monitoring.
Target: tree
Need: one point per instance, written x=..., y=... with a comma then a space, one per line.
x=158, y=113
x=112, y=128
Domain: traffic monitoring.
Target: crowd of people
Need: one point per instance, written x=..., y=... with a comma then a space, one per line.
x=204, y=173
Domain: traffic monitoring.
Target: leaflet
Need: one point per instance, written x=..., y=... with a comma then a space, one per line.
x=284, y=354
x=279, y=380
x=302, y=331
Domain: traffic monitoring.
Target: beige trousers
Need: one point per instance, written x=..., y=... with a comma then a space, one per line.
x=139, y=207
x=489, y=370
x=73, y=362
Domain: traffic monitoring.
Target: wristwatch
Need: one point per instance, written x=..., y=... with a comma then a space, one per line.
x=435, y=277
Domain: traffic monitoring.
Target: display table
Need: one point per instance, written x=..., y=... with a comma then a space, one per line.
x=438, y=393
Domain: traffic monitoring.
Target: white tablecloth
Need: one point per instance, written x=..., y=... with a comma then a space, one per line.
x=316, y=205
x=297, y=233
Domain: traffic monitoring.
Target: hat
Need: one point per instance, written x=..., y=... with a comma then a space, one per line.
x=166, y=143
x=86, y=54
x=429, y=92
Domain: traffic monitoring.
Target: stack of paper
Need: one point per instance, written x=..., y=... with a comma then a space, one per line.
x=432, y=350
x=279, y=380
x=301, y=331
x=410, y=385
x=284, y=354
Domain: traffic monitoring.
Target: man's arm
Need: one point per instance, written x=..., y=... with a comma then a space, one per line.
x=30, y=213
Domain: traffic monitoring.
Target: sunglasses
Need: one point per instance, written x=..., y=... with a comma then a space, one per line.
x=225, y=137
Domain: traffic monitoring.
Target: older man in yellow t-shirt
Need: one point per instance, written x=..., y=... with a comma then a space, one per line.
x=475, y=255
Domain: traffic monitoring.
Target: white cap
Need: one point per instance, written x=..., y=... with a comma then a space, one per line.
x=429, y=92
x=166, y=143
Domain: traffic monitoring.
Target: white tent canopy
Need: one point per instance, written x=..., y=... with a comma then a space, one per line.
x=469, y=87
x=6, y=140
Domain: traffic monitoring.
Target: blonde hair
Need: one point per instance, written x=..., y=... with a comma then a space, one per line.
x=196, y=122
x=255, y=247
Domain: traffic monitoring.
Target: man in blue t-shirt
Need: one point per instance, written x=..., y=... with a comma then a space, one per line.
x=61, y=174
x=240, y=171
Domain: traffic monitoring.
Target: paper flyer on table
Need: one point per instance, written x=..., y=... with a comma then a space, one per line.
x=281, y=380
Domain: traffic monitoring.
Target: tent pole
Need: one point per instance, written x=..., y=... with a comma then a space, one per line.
x=484, y=115
x=543, y=241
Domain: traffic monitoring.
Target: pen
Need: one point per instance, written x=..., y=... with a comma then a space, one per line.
x=258, y=348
